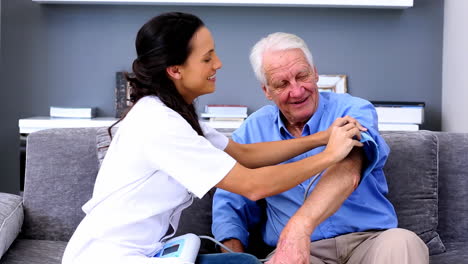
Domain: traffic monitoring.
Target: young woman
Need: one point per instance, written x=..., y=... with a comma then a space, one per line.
x=162, y=155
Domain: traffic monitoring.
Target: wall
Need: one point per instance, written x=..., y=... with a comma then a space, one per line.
x=455, y=64
x=66, y=55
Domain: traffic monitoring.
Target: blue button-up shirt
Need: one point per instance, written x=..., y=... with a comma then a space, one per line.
x=367, y=208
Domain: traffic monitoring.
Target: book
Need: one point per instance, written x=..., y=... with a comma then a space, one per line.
x=240, y=119
x=400, y=112
x=221, y=109
x=223, y=115
x=72, y=112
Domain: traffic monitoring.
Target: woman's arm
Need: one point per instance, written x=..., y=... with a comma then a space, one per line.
x=269, y=153
x=270, y=180
x=262, y=154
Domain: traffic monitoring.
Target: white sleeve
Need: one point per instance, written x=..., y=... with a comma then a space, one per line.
x=216, y=138
x=175, y=148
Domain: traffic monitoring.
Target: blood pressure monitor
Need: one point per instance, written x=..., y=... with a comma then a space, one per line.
x=184, y=247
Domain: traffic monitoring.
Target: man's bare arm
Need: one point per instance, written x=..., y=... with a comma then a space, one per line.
x=334, y=187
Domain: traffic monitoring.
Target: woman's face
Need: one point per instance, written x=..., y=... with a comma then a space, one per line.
x=198, y=73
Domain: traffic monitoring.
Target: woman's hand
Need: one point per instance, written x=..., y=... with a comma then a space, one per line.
x=341, y=121
x=342, y=139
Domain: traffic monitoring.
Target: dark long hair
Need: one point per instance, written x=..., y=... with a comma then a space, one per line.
x=162, y=42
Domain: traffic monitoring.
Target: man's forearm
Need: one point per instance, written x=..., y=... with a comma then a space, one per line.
x=334, y=187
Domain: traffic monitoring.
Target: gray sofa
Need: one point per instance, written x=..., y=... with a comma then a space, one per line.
x=427, y=173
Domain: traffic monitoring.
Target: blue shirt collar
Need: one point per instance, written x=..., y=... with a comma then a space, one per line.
x=311, y=125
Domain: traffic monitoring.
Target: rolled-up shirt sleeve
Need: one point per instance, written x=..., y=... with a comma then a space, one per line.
x=375, y=148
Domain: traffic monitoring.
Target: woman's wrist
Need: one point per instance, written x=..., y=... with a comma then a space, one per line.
x=321, y=138
x=329, y=158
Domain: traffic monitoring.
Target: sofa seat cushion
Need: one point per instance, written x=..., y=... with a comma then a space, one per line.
x=457, y=252
x=11, y=219
x=412, y=175
x=34, y=252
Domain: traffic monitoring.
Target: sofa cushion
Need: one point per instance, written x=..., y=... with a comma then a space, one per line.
x=34, y=251
x=457, y=252
x=61, y=168
x=103, y=140
x=197, y=219
x=11, y=219
x=453, y=187
x=412, y=174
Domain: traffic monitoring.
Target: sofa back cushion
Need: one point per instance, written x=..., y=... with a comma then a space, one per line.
x=103, y=140
x=61, y=167
x=197, y=219
x=412, y=175
x=453, y=186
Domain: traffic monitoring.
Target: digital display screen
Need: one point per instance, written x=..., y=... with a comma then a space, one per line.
x=171, y=249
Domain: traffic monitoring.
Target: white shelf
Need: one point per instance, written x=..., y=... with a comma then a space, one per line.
x=33, y=124
x=398, y=127
x=397, y=4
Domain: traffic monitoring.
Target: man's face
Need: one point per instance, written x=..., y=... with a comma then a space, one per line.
x=291, y=84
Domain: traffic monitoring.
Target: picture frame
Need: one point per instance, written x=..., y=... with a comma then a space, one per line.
x=122, y=94
x=336, y=83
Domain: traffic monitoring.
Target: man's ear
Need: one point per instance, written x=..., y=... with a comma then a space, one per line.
x=266, y=92
x=174, y=72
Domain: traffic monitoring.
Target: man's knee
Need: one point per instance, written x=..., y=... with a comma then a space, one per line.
x=400, y=237
x=398, y=245
x=406, y=243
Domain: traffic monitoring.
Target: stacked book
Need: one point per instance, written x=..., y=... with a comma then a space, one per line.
x=72, y=112
x=224, y=118
x=399, y=116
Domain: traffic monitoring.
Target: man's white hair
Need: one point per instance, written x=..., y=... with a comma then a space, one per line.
x=278, y=41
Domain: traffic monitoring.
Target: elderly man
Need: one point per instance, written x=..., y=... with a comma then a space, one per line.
x=344, y=217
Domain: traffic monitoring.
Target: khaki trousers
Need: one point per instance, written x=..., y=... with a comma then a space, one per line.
x=392, y=246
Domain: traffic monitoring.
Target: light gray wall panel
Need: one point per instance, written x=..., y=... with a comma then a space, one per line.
x=67, y=55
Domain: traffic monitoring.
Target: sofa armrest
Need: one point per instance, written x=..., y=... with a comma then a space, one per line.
x=11, y=219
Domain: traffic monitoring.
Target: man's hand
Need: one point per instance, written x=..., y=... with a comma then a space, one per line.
x=294, y=243
x=233, y=244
